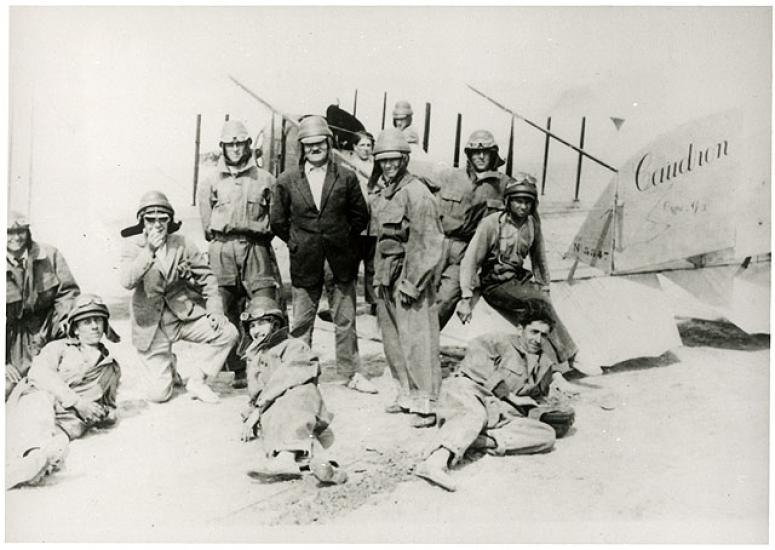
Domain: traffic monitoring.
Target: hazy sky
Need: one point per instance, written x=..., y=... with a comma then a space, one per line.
x=116, y=90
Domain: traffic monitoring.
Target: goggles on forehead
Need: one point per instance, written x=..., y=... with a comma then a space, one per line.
x=480, y=147
x=523, y=179
x=90, y=300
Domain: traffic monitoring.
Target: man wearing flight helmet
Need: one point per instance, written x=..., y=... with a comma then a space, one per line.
x=285, y=403
x=409, y=243
x=402, y=119
x=462, y=205
x=70, y=388
x=39, y=292
x=319, y=211
x=234, y=207
x=493, y=264
x=175, y=298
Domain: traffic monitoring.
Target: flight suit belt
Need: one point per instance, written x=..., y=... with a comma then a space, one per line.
x=241, y=237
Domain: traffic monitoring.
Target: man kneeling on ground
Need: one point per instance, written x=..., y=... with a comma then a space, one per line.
x=70, y=388
x=285, y=401
x=495, y=401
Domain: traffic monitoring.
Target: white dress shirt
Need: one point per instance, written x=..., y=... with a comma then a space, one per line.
x=316, y=176
x=161, y=257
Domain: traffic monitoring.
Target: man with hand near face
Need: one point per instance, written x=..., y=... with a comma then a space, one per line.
x=318, y=210
x=175, y=298
x=234, y=207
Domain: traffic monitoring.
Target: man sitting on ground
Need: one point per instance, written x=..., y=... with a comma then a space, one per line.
x=285, y=401
x=70, y=388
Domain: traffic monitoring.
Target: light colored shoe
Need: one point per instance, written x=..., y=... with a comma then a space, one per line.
x=28, y=469
x=360, y=383
x=328, y=473
x=437, y=476
x=396, y=408
x=199, y=390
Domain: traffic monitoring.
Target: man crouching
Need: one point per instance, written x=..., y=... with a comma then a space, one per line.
x=285, y=401
x=70, y=388
x=495, y=401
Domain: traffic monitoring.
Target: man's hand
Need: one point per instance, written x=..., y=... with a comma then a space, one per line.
x=464, y=310
x=155, y=240
x=217, y=321
x=406, y=300
x=89, y=411
x=249, y=426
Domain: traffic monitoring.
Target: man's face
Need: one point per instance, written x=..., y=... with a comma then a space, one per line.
x=402, y=122
x=156, y=222
x=235, y=150
x=259, y=329
x=481, y=159
x=532, y=334
x=363, y=148
x=89, y=330
x=390, y=167
x=17, y=241
x=520, y=207
x=316, y=153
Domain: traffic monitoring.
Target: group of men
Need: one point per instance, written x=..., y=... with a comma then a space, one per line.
x=420, y=234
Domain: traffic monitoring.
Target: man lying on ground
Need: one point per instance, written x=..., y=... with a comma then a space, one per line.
x=496, y=400
x=70, y=388
x=285, y=401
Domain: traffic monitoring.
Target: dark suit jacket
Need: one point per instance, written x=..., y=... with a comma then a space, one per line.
x=314, y=236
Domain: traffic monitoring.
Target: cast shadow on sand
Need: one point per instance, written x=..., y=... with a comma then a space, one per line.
x=720, y=334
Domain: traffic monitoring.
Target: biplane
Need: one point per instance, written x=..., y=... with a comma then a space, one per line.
x=680, y=227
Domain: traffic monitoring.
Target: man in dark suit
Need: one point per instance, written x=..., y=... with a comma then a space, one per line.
x=318, y=210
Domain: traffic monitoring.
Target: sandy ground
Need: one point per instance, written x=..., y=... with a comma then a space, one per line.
x=668, y=449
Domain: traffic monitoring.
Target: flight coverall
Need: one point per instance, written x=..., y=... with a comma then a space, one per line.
x=39, y=293
x=494, y=400
x=234, y=208
x=283, y=388
x=493, y=263
x=463, y=203
x=41, y=406
x=409, y=245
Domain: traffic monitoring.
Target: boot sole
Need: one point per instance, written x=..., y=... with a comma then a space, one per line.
x=438, y=481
